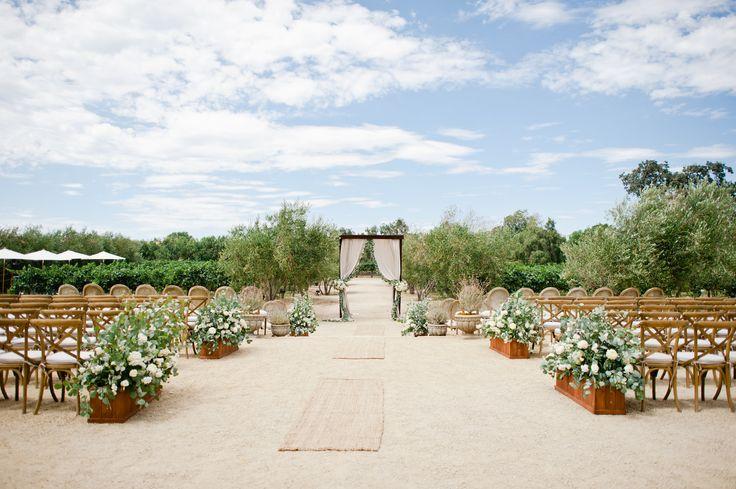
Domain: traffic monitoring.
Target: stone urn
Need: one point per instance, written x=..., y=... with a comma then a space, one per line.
x=467, y=323
x=280, y=329
x=437, y=329
x=253, y=322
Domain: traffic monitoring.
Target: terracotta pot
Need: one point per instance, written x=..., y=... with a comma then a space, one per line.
x=121, y=408
x=512, y=349
x=280, y=329
x=208, y=352
x=467, y=323
x=600, y=400
x=437, y=329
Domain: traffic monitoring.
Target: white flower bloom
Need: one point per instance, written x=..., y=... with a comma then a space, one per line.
x=559, y=349
x=594, y=368
x=135, y=358
x=629, y=368
x=151, y=368
x=582, y=344
x=584, y=368
x=611, y=354
x=146, y=380
x=211, y=331
x=125, y=383
x=142, y=338
x=133, y=373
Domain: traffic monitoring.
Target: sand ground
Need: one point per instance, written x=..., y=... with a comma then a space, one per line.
x=456, y=415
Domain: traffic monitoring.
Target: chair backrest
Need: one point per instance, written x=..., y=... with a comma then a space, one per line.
x=657, y=307
x=274, y=305
x=68, y=289
x=53, y=327
x=100, y=319
x=12, y=329
x=172, y=290
x=119, y=289
x=654, y=315
x=34, y=298
x=199, y=291
x=20, y=312
x=92, y=289
x=526, y=292
x=225, y=291
x=577, y=292
x=654, y=292
x=603, y=292
x=661, y=336
x=145, y=290
x=550, y=292
x=629, y=292
x=712, y=337
x=496, y=297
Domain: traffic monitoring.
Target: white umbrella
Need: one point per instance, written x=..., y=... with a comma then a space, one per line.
x=70, y=255
x=104, y=255
x=6, y=254
x=42, y=256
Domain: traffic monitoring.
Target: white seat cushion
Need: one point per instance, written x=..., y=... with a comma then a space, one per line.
x=709, y=359
x=551, y=325
x=64, y=358
x=14, y=357
x=659, y=358
x=21, y=341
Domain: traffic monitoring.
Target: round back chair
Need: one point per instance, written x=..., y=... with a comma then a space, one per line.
x=603, y=292
x=119, y=290
x=145, y=290
x=173, y=290
x=526, y=292
x=274, y=305
x=577, y=292
x=630, y=292
x=92, y=289
x=496, y=297
x=550, y=292
x=68, y=289
x=225, y=291
x=654, y=292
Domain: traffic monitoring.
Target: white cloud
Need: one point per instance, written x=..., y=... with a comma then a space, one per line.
x=682, y=109
x=713, y=152
x=380, y=174
x=543, y=13
x=462, y=134
x=541, y=125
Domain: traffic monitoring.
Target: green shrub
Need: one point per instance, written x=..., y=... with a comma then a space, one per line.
x=160, y=273
x=536, y=277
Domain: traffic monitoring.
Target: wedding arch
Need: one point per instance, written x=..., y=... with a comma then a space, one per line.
x=387, y=251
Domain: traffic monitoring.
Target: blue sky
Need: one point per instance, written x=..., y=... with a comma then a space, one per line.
x=146, y=118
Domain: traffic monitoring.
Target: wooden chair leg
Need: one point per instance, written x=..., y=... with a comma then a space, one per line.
x=26, y=375
x=41, y=388
x=720, y=384
x=644, y=388
x=696, y=398
x=653, y=375
x=704, y=375
x=727, y=380
x=50, y=382
x=17, y=385
x=3, y=376
x=674, y=390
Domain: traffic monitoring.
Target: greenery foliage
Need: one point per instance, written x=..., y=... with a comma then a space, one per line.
x=185, y=274
x=416, y=319
x=537, y=277
x=650, y=174
x=302, y=318
x=220, y=321
x=516, y=320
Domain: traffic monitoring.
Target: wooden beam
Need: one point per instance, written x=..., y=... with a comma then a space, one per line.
x=372, y=236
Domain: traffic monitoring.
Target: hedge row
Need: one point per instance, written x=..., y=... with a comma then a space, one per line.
x=157, y=273
x=536, y=277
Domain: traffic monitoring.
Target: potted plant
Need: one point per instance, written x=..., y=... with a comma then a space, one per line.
x=594, y=363
x=416, y=319
x=302, y=319
x=251, y=299
x=437, y=319
x=220, y=328
x=279, y=321
x=470, y=298
x=134, y=356
x=513, y=327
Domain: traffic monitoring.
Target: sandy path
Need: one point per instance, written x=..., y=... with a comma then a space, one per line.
x=456, y=415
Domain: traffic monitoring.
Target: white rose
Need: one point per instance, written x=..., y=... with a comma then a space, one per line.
x=211, y=331
x=629, y=368
x=559, y=349
x=164, y=352
x=124, y=383
x=135, y=358
x=151, y=368
x=611, y=354
x=582, y=344
x=584, y=368
x=133, y=373
x=576, y=337
x=158, y=374
x=146, y=380
x=142, y=338
x=594, y=368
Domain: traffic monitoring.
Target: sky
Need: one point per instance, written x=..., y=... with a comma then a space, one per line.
x=146, y=117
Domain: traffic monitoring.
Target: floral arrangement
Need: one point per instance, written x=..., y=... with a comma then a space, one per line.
x=222, y=320
x=302, y=318
x=399, y=287
x=416, y=319
x=135, y=353
x=470, y=297
x=340, y=285
x=516, y=320
x=596, y=354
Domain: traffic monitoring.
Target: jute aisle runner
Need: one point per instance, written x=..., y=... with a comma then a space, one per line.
x=367, y=348
x=342, y=414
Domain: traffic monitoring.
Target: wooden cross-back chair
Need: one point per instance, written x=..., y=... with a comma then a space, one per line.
x=552, y=312
x=711, y=343
x=100, y=319
x=660, y=341
x=18, y=356
x=620, y=315
x=60, y=335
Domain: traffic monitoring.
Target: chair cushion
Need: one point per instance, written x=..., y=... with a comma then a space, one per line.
x=551, y=325
x=64, y=358
x=14, y=357
x=659, y=358
x=709, y=359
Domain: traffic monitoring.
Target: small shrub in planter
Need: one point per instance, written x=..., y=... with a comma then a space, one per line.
x=302, y=319
x=437, y=321
x=595, y=363
x=220, y=328
x=134, y=356
x=279, y=322
x=416, y=319
x=470, y=298
x=251, y=299
x=513, y=327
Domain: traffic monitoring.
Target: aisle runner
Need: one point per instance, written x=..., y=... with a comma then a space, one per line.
x=361, y=349
x=370, y=330
x=342, y=414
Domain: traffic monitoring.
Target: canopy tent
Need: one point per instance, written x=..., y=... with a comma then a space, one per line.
x=6, y=254
x=69, y=255
x=104, y=255
x=42, y=256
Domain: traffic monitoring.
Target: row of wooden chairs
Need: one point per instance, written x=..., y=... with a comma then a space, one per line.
x=144, y=290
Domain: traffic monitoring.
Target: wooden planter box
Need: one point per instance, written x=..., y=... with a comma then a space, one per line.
x=600, y=400
x=513, y=349
x=206, y=353
x=121, y=408
x=301, y=334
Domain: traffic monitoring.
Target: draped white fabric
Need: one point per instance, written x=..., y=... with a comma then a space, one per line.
x=388, y=258
x=350, y=253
